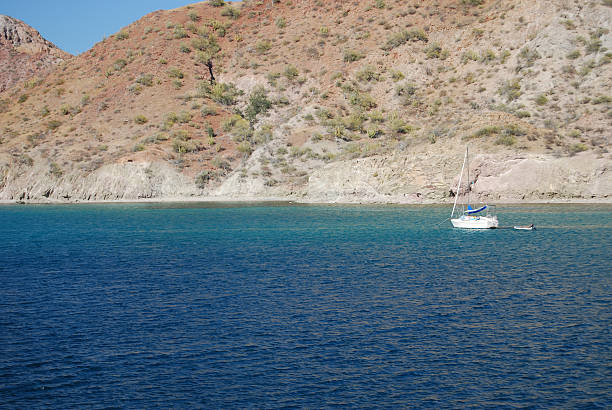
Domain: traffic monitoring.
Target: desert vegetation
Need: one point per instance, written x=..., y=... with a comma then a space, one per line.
x=273, y=91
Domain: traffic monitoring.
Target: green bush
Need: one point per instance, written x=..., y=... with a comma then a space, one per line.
x=238, y=127
x=230, y=12
x=217, y=3
x=487, y=56
x=141, y=119
x=4, y=105
x=192, y=27
x=263, y=134
x=220, y=163
x=469, y=55
x=368, y=74
x=258, y=103
x=210, y=131
x=22, y=98
x=222, y=93
x=122, y=35
x=506, y=140
x=523, y=114
x=402, y=37
x=206, y=44
x=55, y=170
x=263, y=46
x=602, y=99
x=24, y=158
x=272, y=77
x=374, y=132
x=406, y=89
x=352, y=55
x=354, y=122
x=280, y=22
x=397, y=75
x=156, y=138
x=53, y=124
x=184, y=117
x=119, y=64
x=218, y=26
x=488, y=131
x=182, y=146
x=207, y=110
x=541, y=99
x=34, y=82
x=245, y=148
x=510, y=89
x=529, y=56
x=291, y=72
x=576, y=148
x=593, y=45
x=182, y=135
x=503, y=57
x=146, y=80
x=513, y=129
x=171, y=118
x=434, y=50
x=179, y=32
x=377, y=116
x=65, y=109
x=398, y=126
x=174, y=72
x=362, y=100
x=204, y=177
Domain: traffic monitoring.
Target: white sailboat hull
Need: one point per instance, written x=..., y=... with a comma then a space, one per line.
x=475, y=222
x=470, y=218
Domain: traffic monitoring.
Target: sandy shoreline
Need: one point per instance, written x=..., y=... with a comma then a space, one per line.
x=286, y=200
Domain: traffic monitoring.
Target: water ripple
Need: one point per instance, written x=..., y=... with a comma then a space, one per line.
x=209, y=306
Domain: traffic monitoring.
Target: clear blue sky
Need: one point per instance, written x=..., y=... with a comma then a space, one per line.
x=76, y=25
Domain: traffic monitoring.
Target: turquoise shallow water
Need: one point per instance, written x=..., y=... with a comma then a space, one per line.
x=270, y=305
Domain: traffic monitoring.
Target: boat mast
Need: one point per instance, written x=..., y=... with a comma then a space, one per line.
x=469, y=188
x=459, y=184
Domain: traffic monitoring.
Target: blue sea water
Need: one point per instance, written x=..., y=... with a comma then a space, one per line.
x=292, y=306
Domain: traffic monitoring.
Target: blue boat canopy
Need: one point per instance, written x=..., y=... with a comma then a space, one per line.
x=471, y=211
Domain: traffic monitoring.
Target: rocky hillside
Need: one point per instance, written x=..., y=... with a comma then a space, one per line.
x=24, y=53
x=316, y=100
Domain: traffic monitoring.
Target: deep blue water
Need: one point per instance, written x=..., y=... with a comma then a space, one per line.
x=265, y=306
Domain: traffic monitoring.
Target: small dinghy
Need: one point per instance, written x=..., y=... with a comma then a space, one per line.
x=525, y=227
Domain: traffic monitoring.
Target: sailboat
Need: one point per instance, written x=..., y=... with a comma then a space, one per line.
x=472, y=218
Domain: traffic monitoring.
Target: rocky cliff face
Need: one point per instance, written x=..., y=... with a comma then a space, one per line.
x=24, y=52
x=372, y=101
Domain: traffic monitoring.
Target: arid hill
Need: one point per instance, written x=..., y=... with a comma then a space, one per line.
x=24, y=53
x=323, y=101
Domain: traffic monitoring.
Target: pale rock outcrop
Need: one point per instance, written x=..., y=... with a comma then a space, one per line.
x=122, y=181
x=414, y=177
x=542, y=177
